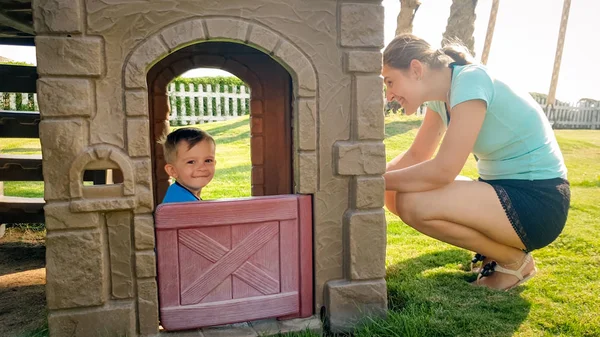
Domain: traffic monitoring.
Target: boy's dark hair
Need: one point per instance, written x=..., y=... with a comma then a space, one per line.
x=192, y=136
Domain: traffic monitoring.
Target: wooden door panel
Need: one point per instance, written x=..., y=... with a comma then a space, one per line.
x=234, y=260
x=230, y=311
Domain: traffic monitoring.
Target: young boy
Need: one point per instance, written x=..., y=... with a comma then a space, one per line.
x=190, y=156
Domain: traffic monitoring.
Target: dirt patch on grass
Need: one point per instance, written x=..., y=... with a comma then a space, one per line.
x=22, y=281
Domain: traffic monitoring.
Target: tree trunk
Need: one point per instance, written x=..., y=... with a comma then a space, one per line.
x=408, y=9
x=461, y=23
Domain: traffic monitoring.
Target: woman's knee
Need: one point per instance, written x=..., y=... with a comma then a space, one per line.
x=407, y=207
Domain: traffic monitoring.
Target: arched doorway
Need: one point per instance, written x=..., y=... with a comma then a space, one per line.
x=271, y=110
x=214, y=268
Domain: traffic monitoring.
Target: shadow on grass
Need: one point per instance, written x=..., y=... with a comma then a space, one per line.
x=223, y=131
x=430, y=295
x=231, y=139
x=216, y=132
x=21, y=256
x=400, y=127
x=233, y=171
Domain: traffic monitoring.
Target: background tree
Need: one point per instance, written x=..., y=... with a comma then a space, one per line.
x=461, y=23
x=408, y=9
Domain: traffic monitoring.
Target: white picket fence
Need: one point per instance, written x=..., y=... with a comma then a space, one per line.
x=192, y=104
x=18, y=101
x=565, y=115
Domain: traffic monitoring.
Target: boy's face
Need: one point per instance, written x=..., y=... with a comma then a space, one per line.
x=193, y=168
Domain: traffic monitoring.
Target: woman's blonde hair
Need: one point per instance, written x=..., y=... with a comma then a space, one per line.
x=407, y=47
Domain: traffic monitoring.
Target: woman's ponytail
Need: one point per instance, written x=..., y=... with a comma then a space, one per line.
x=458, y=52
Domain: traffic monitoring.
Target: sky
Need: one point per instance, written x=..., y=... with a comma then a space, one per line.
x=523, y=47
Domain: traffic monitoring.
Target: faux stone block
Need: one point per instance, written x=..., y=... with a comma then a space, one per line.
x=360, y=158
x=57, y=16
x=256, y=107
x=367, y=239
x=106, y=321
x=145, y=264
x=301, y=324
x=308, y=172
x=364, y=61
x=230, y=330
x=145, y=199
x=94, y=205
x=82, y=56
x=147, y=307
x=146, y=54
x=271, y=327
x=227, y=28
x=256, y=125
x=257, y=144
x=370, y=192
x=136, y=103
x=64, y=97
x=142, y=169
x=144, y=232
x=63, y=141
x=184, y=33
x=138, y=137
x=301, y=66
x=369, y=108
x=263, y=38
x=348, y=303
x=59, y=216
x=74, y=267
x=120, y=248
x=307, y=121
x=362, y=25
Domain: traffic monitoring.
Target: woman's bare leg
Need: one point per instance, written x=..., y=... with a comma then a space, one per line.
x=466, y=214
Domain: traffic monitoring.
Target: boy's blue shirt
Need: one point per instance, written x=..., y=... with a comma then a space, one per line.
x=177, y=193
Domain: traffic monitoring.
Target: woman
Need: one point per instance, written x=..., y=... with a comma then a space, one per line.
x=521, y=199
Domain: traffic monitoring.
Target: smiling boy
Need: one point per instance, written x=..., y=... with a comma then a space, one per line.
x=190, y=156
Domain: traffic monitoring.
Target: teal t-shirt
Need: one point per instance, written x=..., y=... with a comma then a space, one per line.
x=516, y=140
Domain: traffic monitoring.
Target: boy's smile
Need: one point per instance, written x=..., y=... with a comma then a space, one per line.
x=193, y=168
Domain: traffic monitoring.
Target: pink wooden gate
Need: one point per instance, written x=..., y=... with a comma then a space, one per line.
x=233, y=261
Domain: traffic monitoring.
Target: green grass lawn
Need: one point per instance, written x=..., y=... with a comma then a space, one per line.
x=428, y=292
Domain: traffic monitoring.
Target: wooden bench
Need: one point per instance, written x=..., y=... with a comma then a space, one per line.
x=19, y=124
x=28, y=167
x=21, y=210
x=21, y=167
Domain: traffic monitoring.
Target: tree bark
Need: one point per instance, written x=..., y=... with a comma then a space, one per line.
x=461, y=23
x=408, y=9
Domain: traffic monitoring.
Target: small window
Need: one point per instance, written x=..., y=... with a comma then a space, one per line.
x=102, y=177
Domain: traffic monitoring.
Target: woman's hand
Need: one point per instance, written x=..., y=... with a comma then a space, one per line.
x=467, y=119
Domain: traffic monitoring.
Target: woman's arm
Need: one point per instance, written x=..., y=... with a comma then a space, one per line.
x=426, y=141
x=467, y=118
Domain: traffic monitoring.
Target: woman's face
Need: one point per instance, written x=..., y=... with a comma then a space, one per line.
x=404, y=86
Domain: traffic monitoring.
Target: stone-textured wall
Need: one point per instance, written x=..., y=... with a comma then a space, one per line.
x=101, y=263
